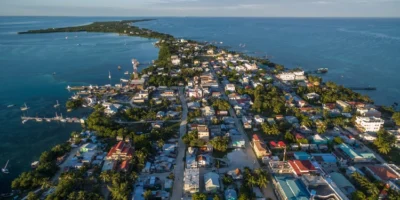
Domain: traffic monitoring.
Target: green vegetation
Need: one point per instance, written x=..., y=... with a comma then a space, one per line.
x=270, y=129
x=138, y=114
x=221, y=104
x=365, y=186
x=396, y=118
x=46, y=169
x=220, y=143
x=199, y=196
x=121, y=27
x=266, y=100
x=384, y=141
x=191, y=139
x=74, y=103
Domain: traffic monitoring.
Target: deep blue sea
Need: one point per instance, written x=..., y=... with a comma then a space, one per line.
x=358, y=52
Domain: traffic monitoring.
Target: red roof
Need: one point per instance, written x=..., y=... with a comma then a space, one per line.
x=255, y=137
x=383, y=172
x=281, y=144
x=302, y=166
x=124, y=165
x=272, y=143
x=120, y=145
x=299, y=136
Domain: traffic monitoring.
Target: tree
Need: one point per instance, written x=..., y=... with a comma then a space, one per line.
x=321, y=127
x=289, y=137
x=105, y=176
x=160, y=143
x=32, y=196
x=358, y=195
x=199, y=196
x=396, y=118
x=220, y=143
x=220, y=104
x=119, y=190
x=147, y=194
x=384, y=141
x=216, y=197
x=338, y=140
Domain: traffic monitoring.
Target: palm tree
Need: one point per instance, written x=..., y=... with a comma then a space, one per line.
x=160, y=143
x=134, y=176
x=105, y=176
x=251, y=181
x=147, y=194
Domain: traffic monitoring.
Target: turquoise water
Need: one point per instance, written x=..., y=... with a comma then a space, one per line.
x=27, y=63
x=358, y=52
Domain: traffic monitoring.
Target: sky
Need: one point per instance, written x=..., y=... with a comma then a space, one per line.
x=206, y=8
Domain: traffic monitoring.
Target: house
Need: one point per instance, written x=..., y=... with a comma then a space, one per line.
x=196, y=93
x=258, y=119
x=210, y=52
x=230, y=194
x=327, y=161
x=203, y=132
x=208, y=111
x=88, y=147
x=211, y=182
x=160, y=114
x=111, y=109
x=312, y=96
x=167, y=93
x=203, y=161
x=236, y=174
x=120, y=151
x=175, y=60
x=258, y=147
x=301, y=167
x=291, y=76
x=369, y=124
x=125, y=166
x=301, y=155
x=286, y=185
x=246, y=122
x=342, y=105
x=237, y=141
x=292, y=119
x=193, y=105
x=382, y=172
x=322, y=188
x=191, y=180
x=350, y=154
x=230, y=87
x=369, y=112
x=343, y=183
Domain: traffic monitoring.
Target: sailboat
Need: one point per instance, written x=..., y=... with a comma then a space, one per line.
x=25, y=107
x=4, y=169
x=62, y=119
x=57, y=105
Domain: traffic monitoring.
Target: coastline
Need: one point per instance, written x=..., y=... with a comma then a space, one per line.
x=142, y=33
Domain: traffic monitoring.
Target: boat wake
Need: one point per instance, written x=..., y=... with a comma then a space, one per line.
x=371, y=34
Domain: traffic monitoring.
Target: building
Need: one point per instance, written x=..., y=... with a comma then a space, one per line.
x=203, y=132
x=369, y=124
x=237, y=141
x=291, y=76
x=196, y=93
x=211, y=182
x=290, y=188
x=175, y=60
x=230, y=87
x=369, y=112
x=120, y=151
x=350, y=154
x=320, y=188
x=210, y=52
x=344, y=185
x=246, y=122
x=383, y=172
x=88, y=147
x=258, y=147
x=191, y=180
x=342, y=105
x=302, y=167
x=230, y=194
x=312, y=96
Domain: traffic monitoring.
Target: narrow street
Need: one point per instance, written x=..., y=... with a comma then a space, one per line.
x=180, y=167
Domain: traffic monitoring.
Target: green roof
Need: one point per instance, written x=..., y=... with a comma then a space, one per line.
x=340, y=180
x=293, y=188
x=349, y=151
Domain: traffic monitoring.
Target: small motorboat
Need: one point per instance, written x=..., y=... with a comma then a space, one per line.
x=23, y=121
x=10, y=106
x=4, y=169
x=35, y=164
x=38, y=119
x=25, y=107
x=119, y=67
x=126, y=73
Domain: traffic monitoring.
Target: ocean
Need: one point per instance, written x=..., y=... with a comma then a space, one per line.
x=358, y=52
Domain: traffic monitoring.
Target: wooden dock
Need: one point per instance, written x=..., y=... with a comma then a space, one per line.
x=53, y=119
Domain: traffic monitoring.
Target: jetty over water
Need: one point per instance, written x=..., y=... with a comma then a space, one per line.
x=362, y=88
x=53, y=119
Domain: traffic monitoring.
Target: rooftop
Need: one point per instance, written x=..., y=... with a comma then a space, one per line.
x=293, y=188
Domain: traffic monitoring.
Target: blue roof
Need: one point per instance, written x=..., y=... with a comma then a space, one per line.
x=327, y=157
x=293, y=188
x=301, y=155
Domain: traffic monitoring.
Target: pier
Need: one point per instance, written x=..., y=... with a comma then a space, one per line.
x=53, y=119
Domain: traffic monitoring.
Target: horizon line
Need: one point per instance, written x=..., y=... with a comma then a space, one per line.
x=326, y=17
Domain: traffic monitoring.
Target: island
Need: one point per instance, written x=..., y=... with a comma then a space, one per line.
x=247, y=127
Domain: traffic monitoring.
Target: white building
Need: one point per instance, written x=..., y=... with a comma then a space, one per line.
x=211, y=182
x=196, y=93
x=250, y=67
x=369, y=112
x=175, y=60
x=191, y=180
x=369, y=124
x=230, y=87
x=291, y=76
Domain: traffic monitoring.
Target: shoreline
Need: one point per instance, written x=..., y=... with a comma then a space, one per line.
x=144, y=33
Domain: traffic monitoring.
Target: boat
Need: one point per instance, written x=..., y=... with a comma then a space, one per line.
x=126, y=73
x=62, y=119
x=34, y=164
x=124, y=80
x=68, y=87
x=25, y=107
x=322, y=70
x=38, y=119
x=119, y=67
x=4, y=169
x=23, y=121
x=11, y=105
x=57, y=105
x=48, y=120
x=66, y=38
